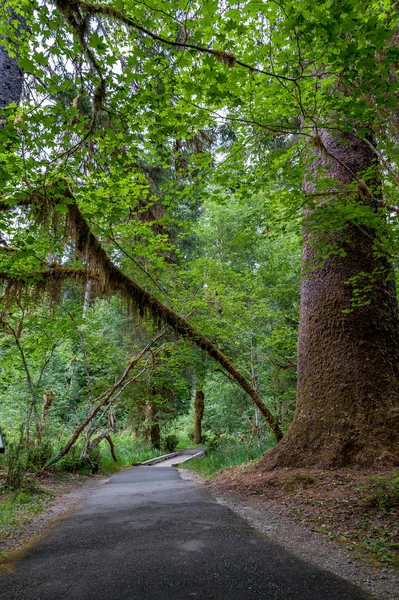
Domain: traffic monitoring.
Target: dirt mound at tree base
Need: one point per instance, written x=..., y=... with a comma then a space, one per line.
x=347, y=442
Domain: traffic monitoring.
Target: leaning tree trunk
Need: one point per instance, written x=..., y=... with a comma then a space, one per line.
x=199, y=407
x=348, y=363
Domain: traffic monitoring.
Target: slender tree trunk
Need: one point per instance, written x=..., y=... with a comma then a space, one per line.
x=153, y=430
x=87, y=298
x=32, y=388
x=105, y=436
x=48, y=399
x=112, y=448
x=27, y=422
x=255, y=373
x=86, y=445
x=348, y=363
x=199, y=407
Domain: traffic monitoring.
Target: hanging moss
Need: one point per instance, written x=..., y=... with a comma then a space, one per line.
x=110, y=279
x=36, y=285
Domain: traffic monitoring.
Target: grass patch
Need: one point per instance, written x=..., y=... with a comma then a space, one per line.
x=378, y=534
x=19, y=508
x=382, y=492
x=128, y=450
x=226, y=455
x=183, y=445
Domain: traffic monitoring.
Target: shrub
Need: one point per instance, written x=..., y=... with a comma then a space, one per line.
x=383, y=492
x=16, y=466
x=211, y=440
x=74, y=463
x=170, y=442
x=39, y=455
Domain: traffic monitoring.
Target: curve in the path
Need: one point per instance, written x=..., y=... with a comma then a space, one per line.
x=149, y=535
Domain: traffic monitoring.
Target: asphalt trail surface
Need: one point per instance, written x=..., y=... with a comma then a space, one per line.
x=149, y=535
x=182, y=457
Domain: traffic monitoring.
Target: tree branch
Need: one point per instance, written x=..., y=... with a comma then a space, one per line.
x=110, y=12
x=112, y=279
x=119, y=385
x=89, y=246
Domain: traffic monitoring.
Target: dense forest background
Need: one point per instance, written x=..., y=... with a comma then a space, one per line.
x=161, y=165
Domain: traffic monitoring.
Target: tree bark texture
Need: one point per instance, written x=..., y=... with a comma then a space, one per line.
x=11, y=77
x=347, y=410
x=153, y=430
x=199, y=407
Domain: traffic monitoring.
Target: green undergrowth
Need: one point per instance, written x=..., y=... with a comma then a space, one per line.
x=184, y=445
x=382, y=492
x=378, y=544
x=227, y=454
x=18, y=508
x=128, y=450
x=378, y=534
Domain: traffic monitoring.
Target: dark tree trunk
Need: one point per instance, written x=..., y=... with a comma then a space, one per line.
x=11, y=80
x=112, y=448
x=153, y=430
x=199, y=407
x=348, y=363
x=11, y=77
x=105, y=436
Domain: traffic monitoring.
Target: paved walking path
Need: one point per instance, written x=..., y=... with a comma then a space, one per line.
x=149, y=535
x=182, y=457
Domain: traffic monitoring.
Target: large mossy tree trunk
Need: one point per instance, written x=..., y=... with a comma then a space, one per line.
x=199, y=407
x=347, y=410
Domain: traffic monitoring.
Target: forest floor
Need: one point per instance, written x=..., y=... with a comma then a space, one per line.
x=346, y=521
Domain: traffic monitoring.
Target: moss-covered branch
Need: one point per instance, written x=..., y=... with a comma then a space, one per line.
x=111, y=279
x=138, y=298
